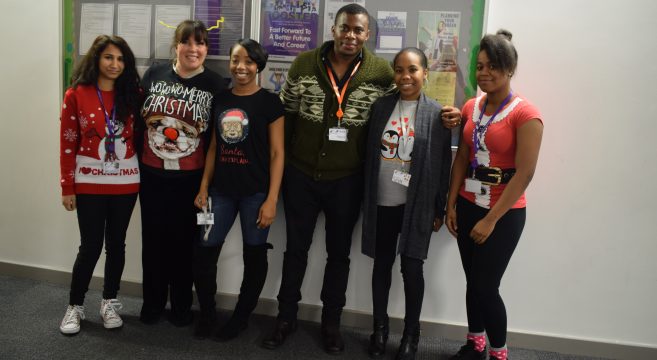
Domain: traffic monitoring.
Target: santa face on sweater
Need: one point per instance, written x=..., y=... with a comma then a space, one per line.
x=170, y=138
x=234, y=125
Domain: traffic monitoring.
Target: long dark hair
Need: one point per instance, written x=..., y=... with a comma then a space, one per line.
x=126, y=87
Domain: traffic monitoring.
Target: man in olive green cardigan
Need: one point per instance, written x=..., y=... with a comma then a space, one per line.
x=327, y=97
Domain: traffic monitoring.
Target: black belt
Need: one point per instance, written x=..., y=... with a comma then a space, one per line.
x=491, y=175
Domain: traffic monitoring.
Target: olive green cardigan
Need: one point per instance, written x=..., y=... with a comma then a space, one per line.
x=310, y=107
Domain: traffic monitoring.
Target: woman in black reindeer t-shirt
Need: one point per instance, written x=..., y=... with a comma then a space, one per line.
x=243, y=172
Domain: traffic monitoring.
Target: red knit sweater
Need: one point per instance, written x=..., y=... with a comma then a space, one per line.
x=83, y=133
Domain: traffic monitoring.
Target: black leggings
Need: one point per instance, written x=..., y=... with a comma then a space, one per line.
x=102, y=218
x=484, y=266
x=388, y=226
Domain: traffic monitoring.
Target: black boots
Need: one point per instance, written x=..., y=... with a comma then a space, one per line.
x=378, y=339
x=255, y=274
x=332, y=338
x=408, y=345
x=205, y=325
x=281, y=331
x=205, y=282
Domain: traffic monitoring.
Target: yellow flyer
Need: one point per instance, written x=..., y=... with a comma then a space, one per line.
x=441, y=87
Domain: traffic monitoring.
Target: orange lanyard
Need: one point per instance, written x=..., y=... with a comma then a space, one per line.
x=340, y=95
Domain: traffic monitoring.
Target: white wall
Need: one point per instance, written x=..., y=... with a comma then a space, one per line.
x=585, y=266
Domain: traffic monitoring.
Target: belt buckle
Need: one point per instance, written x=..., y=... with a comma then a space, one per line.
x=497, y=175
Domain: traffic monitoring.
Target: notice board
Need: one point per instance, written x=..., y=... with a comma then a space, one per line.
x=448, y=31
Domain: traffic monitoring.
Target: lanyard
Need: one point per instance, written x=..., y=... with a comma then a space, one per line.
x=207, y=227
x=405, y=130
x=479, y=131
x=340, y=95
x=109, y=142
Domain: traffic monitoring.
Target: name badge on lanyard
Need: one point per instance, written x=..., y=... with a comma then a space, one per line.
x=401, y=177
x=473, y=185
x=111, y=162
x=338, y=133
x=206, y=217
x=111, y=167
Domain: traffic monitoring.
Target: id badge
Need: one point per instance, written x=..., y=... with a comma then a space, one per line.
x=338, y=134
x=204, y=218
x=473, y=185
x=401, y=177
x=111, y=167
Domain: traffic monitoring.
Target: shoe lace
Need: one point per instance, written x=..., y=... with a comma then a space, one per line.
x=111, y=307
x=73, y=314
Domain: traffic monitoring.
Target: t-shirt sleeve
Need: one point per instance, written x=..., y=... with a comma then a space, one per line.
x=69, y=138
x=466, y=112
x=276, y=107
x=526, y=112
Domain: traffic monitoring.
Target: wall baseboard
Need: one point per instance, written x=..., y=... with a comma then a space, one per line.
x=364, y=320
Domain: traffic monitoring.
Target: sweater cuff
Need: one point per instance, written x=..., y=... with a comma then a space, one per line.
x=68, y=190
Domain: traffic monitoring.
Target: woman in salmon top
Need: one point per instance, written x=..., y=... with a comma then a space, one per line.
x=494, y=164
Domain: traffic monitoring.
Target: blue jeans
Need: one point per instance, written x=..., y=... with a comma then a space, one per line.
x=225, y=209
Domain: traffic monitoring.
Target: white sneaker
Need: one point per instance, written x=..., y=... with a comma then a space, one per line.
x=71, y=323
x=111, y=318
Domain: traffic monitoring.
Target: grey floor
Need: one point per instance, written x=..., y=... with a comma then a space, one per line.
x=30, y=312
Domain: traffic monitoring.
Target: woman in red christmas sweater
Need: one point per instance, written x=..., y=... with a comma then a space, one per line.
x=99, y=170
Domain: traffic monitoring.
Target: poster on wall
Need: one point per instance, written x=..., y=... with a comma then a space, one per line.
x=332, y=7
x=95, y=19
x=167, y=17
x=134, y=25
x=274, y=75
x=438, y=37
x=441, y=86
x=391, y=35
x=225, y=22
x=289, y=27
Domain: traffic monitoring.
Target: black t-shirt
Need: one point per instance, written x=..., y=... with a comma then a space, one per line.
x=242, y=128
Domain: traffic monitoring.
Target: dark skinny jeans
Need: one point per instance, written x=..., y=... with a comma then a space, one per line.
x=484, y=266
x=388, y=227
x=102, y=219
